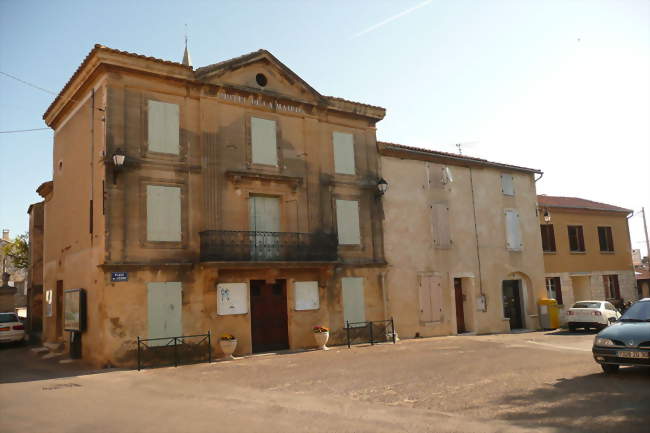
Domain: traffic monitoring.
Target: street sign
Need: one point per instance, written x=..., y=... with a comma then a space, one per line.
x=119, y=276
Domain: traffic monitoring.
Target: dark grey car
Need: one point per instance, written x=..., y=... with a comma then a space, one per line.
x=626, y=342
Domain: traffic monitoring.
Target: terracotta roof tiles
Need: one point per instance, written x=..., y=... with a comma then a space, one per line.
x=577, y=203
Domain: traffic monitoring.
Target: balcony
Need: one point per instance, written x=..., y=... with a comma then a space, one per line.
x=250, y=246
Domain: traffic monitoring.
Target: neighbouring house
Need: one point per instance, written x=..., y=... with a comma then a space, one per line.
x=586, y=248
x=643, y=283
x=13, y=283
x=233, y=198
x=462, y=243
x=34, y=322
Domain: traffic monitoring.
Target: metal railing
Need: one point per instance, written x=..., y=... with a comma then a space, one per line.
x=254, y=246
x=168, y=351
x=378, y=331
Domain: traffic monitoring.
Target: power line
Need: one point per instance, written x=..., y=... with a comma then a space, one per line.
x=28, y=83
x=23, y=130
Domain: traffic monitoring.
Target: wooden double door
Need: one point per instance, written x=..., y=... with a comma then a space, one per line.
x=512, y=305
x=269, y=322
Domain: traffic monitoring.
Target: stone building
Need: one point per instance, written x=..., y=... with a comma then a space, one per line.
x=462, y=243
x=233, y=198
x=35, y=271
x=586, y=248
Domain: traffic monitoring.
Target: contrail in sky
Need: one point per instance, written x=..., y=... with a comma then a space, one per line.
x=393, y=18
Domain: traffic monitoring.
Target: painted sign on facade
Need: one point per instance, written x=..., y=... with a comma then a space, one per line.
x=232, y=299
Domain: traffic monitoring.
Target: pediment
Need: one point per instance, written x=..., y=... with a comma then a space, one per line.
x=259, y=71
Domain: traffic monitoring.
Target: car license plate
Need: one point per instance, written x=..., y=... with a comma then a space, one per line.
x=6, y=328
x=630, y=354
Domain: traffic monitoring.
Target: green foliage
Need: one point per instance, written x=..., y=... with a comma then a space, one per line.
x=18, y=252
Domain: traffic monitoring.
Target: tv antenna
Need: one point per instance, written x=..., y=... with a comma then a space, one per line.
x=465, y=143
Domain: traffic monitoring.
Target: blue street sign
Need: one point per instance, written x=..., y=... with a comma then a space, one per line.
x=119, y=276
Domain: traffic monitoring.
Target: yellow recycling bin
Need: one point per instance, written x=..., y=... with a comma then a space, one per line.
x=549, y=313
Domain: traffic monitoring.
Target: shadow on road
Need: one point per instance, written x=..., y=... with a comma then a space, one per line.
x=18, y=363
x=576, y=404
x=564, y=332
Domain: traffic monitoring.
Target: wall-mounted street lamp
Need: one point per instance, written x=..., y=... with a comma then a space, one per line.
x=118, y=162
x=547, y=216
x=382, y=186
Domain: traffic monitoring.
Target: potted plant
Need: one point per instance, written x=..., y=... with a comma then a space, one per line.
x=321, y=335
x=228, y=343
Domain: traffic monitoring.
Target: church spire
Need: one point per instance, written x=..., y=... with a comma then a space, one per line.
x=187, y=60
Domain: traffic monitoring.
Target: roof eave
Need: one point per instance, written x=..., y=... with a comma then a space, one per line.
x=623, y=211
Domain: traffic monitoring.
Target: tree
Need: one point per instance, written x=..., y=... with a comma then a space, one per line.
x=18, y=252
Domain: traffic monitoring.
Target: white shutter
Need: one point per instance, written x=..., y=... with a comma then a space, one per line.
x=347, y=221
x=507, y=184
x=513, y=231
x=306, y=295
x=436, y=298
x=354, y=308
x=264, y=213
x=232, y=298
x=164, y=308
x=264, y=141
x=430, y=296
x=440, y=216
x=163, y=127
x=343, y=153
x=163, y=213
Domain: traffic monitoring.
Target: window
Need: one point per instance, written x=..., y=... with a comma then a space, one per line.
x=609, y=307
x=430, y=294
x=576, y=239
x=612, y=290
x=605, y=239
x=163, y=213
x=548, y=238
x=232, y=299
x=343, y=144
x=347, y=222
x=306, y=295
x=440, y=216
x=554, y=289
x=164, y=308
x=163, y=127
x=513, y=232
x=264, y=141
x=354, y=309
x=507, y=184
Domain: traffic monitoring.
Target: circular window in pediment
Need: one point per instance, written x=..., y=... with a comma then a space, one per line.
x=261, y=79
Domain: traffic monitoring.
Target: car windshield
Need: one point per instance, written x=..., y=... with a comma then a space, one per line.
x=639, y=312
x=8, y=318
x=587, y=305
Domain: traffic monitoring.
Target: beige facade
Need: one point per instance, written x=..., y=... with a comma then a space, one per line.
x=237, y=179
x=35, y=271
x=459, y=232
x=586, y=250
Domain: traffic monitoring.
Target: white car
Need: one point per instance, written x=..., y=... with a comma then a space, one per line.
x=591, y=314
x=11, y=328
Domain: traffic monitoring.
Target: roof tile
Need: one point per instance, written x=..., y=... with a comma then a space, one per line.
x=577, y=203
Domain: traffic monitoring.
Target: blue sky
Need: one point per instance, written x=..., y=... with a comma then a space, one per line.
x=558, y=85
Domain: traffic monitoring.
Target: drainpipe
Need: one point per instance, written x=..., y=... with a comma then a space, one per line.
x=478, y=252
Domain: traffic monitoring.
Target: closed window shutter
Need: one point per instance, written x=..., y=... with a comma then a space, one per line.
x=430, y=297
x=163, y=127
x=507, y=184
x=513, y=232
x=264, y=141
x=354, y=308
x=164, y=311
x=163, y=213
x=343, y=153
x=347, y=221
x=440, y=215
x=435, y=285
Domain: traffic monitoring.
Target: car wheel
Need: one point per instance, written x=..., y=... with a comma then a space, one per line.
x=609, y=368
x=572, y=327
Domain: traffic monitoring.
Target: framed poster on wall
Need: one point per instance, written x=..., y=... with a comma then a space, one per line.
x=74, y=310
x=306, y=295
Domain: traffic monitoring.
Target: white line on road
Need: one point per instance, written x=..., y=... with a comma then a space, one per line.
x=580, y=349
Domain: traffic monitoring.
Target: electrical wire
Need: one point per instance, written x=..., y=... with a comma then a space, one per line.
x=28, y=83
x=23, y=130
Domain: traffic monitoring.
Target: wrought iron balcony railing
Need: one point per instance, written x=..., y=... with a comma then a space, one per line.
x=251, y=246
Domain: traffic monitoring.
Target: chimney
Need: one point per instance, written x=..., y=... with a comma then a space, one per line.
x=5, y=235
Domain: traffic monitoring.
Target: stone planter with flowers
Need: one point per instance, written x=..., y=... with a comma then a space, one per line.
x=321, y=335
x=228, y=343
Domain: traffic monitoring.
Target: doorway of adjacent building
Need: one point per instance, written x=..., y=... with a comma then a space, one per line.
x=460, y=299
x=264, y=214
x=59, y=308
x=269, y=323
x=581, y=287
x=512, y=303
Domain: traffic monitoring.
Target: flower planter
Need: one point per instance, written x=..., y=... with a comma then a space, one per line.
x=321, y=339
x=228, y=348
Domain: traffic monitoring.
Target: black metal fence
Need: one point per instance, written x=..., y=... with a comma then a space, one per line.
x=378, y=331
x=168, y=351
x=253, y=246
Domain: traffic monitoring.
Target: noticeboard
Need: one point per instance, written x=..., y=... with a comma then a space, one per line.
x=74, y=310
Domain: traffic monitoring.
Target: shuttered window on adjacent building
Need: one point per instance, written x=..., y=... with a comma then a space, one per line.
x=612, y=289
x=163, y=127
x=430, y=294
x=507, y=184
x=605, y=239
x=576, y=239
x=163, y=213
x=440, y=225
x=548, y=238
x=513, y=230
x=554, y=289
x=343, y=144
x=347, y=222
x=354, y=305
x=264, y=141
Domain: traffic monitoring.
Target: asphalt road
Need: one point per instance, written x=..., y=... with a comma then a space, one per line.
x=542, y=382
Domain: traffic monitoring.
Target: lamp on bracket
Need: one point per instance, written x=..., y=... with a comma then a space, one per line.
x=382, y=186
x=118, y=158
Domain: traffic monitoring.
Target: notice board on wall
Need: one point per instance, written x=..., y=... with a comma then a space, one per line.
x=74, y=310
x=232, y=298
x=306, y=293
